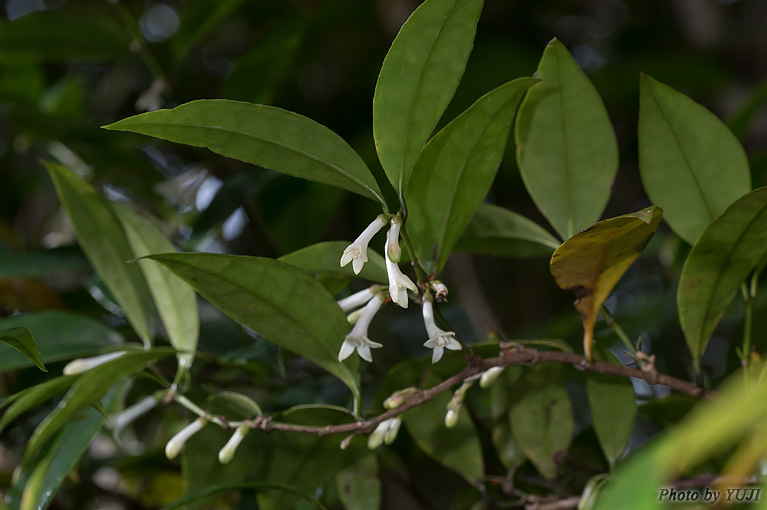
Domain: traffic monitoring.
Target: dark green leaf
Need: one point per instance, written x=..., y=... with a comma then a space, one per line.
x=497, y=231
x=592, y=262
x=42, y=263
x=613, y=408
x=218, y=489
x=418, y=79
x=541, y=417
x=233, y=406
x=358, y=485
x=33, y=396
x=566, y=147
x=90, y=387
x=261, y=135
x=103, y=240
x=324, y=258
x=457, y=448
x=280, y=302
x=60, y=336
x=691, y=164
x=197, y=19
x=21, y=339
x=455, y=171
x=722, y=258
x=501, y=393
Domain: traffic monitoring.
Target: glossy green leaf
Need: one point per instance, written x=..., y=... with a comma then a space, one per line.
x=494, y=230
x=455, y=171
x=33, y=396
x=457, y=448
x=174, y=298
x=103, y=240
x=324, y=258
x=62, y=36
x=60, y=335
x=691, y=164
x=541, y=417
x=261, y=135
x=501, y=397
x=36, y=483
x=592, y=262
x=613, y=408
x=282, y=303
x=233, y=406
x=21, y=339
x=418, y=79
x=306, y=461
x=358, y=485
x=214, y=490
x=722, y=258
x=566, y=147
x=90, y=387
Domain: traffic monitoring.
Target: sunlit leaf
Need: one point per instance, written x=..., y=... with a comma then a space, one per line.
x=722, y=258
x=691, y=164
x=261, y=135
x=541, y=417
x=494, y=230
x=566, y=147
x=174, y=298
x=418, y=79
x=591, y=262
x=323, y=258
x=21, y=339
x=455, y=171
x=282, y=303
x=103, y=240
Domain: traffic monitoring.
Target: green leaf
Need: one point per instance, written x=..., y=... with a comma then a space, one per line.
x=591, y=262
x=214, y=490
x=174, y=298
x=280, y=302
x=541, y=417
x=501, y=397
x=42, y=263
x=60, y=335
x=90, y=387
x=613, y=408
x=261, y=135
x=722, y=258
x=21, y=340
x=58, y=36
x=455, y=171
x=101, y=237
x=494, y=230
x=358, y=485
x=566, y=147
x=457, y=448
x=691, y=164
x=37, y=482
x=324, y=258
x=418, y=79
x=233, y=406
x=33, y=396
x=197, y=19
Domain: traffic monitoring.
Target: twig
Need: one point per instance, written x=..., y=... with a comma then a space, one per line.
x=559, y=504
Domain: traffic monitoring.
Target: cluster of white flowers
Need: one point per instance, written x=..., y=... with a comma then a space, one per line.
x=399, y=285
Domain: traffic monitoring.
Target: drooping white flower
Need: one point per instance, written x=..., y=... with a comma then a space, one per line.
x=357, y=252
x=130, y=414
x=393, y=251
x=358, y=337
x=385, y=432
x=398, y=282
x=226, y=454
x=80, y=365
x=439, y=340
x=177, y=442
x=356, y=300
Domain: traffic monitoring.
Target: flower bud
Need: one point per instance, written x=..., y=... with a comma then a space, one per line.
x=398, y=398
x=130, y=414
x=80, y=365
x=393, y=250
x=391, y=432
x=489, y=376
x=451, y=417
x=226, y=454
x=440, y=291
x=177, y=442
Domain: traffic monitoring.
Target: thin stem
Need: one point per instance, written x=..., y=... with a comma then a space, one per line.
x=749, y=297
x=135, y=32
x=609, y=319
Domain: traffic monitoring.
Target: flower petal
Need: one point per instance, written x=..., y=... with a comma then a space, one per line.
x=347, y=348
x=436, y=355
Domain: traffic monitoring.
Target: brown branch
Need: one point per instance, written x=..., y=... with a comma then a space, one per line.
x=520, y=356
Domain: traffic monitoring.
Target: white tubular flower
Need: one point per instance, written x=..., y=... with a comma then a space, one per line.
x=80, y=365
x=438, y=340
x=357, y=252
x=489, y=376
x=130, y=414
x=385, y=432
x=226, y=454
x=177, y=442
x=358, y=337
x=393, y=251
x=356, y=300
x=398, y=282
